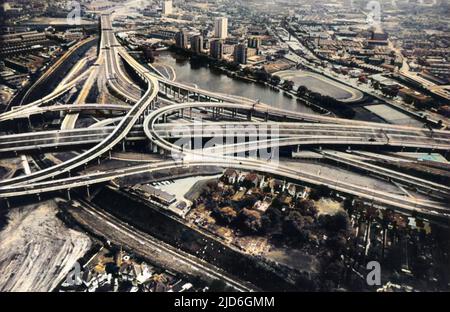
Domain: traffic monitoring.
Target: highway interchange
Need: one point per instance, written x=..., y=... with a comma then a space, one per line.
x=166, y=111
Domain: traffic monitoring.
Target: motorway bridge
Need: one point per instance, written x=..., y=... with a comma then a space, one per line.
x=167, y=111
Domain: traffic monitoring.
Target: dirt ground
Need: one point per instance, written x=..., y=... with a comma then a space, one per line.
x=8, y=167
x=295, y=259
x=37, y=250
x=327, y=206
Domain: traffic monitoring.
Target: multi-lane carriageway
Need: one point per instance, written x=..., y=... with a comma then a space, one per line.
x=287, y=134
x=36, y=188
x=117, y=135
x=117, y=80
x=330, y=129
x=307, y=133
x=376, y=196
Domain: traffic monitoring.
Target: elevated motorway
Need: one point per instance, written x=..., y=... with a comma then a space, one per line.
x=257, y=146
x=73, y=138
x=291, y=134
x=361, y=164
x=117, y=135
x=424, y=186
x=409, y=204
x=180, y=92
x=71, y=118
x=291, y=130
x=189, y=156
x=69, y=109
x=332, y=130
x=371, y=133
x=60, y=90
x=117, y=80
x=55, y=66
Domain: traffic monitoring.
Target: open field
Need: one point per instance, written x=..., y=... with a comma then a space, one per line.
x=321, y=84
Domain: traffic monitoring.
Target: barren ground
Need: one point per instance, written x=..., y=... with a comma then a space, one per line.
x=37, y=250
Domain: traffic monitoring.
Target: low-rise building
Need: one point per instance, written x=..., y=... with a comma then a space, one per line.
x=156, y=194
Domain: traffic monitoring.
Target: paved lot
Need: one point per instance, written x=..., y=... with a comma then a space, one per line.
x=393, y=116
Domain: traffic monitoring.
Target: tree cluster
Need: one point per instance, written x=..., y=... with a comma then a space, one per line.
x=327, y=102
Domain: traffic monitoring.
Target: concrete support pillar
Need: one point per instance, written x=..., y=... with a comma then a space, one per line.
x=88, y=191
x=68, y=194
x=123, y=146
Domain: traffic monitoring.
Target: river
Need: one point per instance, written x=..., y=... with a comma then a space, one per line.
x=212, y=80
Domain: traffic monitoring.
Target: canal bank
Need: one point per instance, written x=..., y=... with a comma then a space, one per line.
x=197, y=72
x=202, y=75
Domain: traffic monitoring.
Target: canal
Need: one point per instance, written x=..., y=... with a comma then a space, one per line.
x=191, y=72
x=201, y=75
